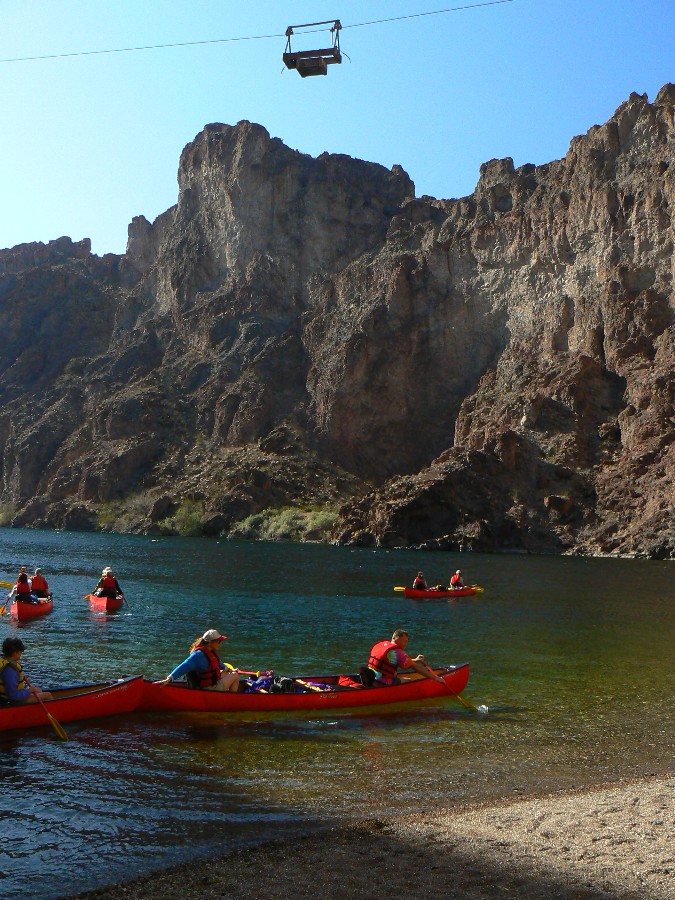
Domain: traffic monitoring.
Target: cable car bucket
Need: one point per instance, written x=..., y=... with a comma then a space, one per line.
x=313, y=62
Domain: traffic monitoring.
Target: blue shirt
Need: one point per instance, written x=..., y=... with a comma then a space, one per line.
x=11, y=678
x=196, y=662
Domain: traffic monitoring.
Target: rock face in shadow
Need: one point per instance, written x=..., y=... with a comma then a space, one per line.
x=494, y=371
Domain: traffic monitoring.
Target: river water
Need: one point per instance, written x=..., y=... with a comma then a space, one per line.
x=572, y=657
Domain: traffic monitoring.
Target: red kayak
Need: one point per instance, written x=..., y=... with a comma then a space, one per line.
x=24, y=612
x=181, y=698
x=106, y=604
x=413, y=594
x=89, y=701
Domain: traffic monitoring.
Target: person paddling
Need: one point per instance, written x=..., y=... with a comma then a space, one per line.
x=108, y=586
x=420, y=582
x=386, y=657
x=203, y=668
x=456, y=582
x=38, y=584
x=22, y=590
x=14, y=686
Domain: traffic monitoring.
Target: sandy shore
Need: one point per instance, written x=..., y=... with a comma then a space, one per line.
x=616, y=841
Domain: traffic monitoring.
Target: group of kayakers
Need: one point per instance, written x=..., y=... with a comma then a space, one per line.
x=204, y=669
x=420, y=583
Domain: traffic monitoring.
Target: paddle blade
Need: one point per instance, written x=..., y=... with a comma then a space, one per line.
x=58, y=728
x=399, y=588
x=6, y=584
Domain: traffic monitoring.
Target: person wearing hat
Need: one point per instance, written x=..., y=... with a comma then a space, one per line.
x=420, y=582
x=108, y=586
x=456, y=581
x=203, y=668
x=14, y=686
x=38, y=584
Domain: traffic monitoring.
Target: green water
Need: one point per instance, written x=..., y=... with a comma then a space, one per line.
x=572, y=657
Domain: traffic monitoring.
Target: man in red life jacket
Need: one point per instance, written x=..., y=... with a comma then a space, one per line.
x=108, y=586
x=38, y=584
x=456, y=581
x=386, y=657
x=420, y=583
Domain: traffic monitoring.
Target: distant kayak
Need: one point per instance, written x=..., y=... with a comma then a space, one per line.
x=24, y=611
x=413, y=594
x=106, y=604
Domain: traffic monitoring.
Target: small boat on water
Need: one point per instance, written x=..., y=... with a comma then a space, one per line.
x=24, y=611
x=413, y=594
x=324, y=692
x=88, y=701
x=105, y=604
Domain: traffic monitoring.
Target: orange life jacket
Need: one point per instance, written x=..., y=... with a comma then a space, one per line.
x=456, y=581
x=22, y=587
x=209, y=676
x=38, y=583
x=378, y=659
x=109, y=583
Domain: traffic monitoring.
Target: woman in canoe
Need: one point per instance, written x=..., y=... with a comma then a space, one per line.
x=457, y=581
x=14, y=686
x=38, y=584
x=386, y=657
x=203, y=668
x=420, y=582
x=108, y=585
x=22, y=590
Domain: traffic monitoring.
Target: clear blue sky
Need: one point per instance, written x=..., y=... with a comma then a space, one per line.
x=88, y=142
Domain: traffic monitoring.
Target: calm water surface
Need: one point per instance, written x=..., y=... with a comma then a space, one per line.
x=574, y=659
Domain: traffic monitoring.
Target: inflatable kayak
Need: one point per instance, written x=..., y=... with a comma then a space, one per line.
x=89, y=701
x=24, y=611
x=413, y=594
x=106, y=604
x=324, y=692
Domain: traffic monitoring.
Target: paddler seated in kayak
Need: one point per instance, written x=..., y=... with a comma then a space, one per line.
x=456, y=582
x=203, y=668
x=22, y=590
x=108, y=586
x=420, y=582
x=38, y=584
x=14, y=686
x=386, y=657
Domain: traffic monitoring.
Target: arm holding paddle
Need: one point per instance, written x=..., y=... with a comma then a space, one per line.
x=420, y=666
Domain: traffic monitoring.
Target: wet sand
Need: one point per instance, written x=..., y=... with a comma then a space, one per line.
x=616, y=841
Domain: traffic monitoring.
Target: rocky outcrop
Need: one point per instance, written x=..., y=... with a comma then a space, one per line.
x=495, y=370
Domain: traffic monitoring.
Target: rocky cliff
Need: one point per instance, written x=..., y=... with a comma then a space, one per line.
x=296, y=332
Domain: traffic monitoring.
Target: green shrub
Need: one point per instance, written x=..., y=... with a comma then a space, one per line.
x=187, y=520
x=7, y=513
x=287, y=524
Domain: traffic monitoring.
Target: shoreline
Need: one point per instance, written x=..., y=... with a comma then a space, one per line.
x=613, y=840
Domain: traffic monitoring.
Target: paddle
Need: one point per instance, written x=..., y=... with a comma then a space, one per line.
x=8, y=584
x=3, y=608
x=58, y=728
x=465, y=702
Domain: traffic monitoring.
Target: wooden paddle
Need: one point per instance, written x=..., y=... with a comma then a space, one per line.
x=3, y=608
x=58, y=728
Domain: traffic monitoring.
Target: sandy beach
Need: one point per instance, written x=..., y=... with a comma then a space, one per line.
x=615, y=841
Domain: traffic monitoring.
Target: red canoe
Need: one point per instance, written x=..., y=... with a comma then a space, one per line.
x=106, y=604
x=89, y=701
x=181, y=698
x=25, y=611
x=413, y=594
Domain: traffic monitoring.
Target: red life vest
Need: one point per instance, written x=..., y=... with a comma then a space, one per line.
x=419, y=584
x=22, y=587
x=109, y=583
x=38, y=583
x=378, y=659
x=209, y=676
x=456, y=581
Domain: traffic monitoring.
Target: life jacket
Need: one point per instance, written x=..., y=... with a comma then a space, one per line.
x=209, y=676
x=419, y=584
x=23, y=587
x=456, y=581
x=378, y=659
x=109, y=583
x=22, y=681
x=38, y=583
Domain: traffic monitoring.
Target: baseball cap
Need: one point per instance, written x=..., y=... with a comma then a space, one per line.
x=213, y=635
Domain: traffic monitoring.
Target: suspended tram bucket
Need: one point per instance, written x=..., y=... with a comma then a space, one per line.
x=313, y=62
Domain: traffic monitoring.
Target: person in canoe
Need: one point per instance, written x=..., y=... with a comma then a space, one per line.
x=420, y=582
x=387, y=657
x=14, y=687
x=203, y=669
x=21, y=590
x=38, y=584
x=108, y=585
x=456, y=582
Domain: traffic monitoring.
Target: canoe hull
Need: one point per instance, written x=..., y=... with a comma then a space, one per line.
x=73, y=704
x=105, y=604
x=179, y=698
x=24, y=612
x=413, y=594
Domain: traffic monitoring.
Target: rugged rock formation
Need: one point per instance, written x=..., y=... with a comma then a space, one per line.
x=295, y=331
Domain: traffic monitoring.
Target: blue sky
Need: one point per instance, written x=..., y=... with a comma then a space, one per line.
x=88, y=142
